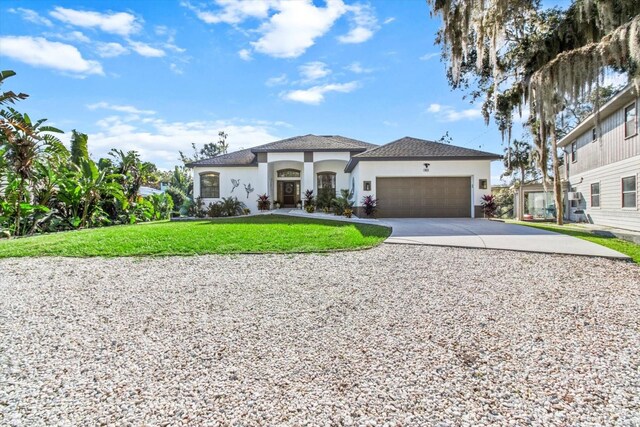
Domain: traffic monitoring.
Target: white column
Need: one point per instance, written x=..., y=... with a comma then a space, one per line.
x=262, y=186
x=307, y=181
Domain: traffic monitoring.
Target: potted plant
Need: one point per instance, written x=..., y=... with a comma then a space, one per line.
x=276, y=204
x=348, y=212
x=309, y=202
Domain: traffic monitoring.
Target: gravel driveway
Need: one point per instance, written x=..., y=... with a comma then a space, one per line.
x=396, y=335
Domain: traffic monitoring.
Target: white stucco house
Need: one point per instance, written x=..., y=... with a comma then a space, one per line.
x=602, y=161
x=410, y=177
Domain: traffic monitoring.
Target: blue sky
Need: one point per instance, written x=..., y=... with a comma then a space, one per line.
x=157, y=76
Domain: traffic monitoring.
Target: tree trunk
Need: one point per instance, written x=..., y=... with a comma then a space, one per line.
x=557, y=188
x=521, y=196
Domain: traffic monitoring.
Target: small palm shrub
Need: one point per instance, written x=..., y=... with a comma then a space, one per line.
x=370, y=204
x=348, y=212
x=343, y=202
x=231, y=206
x=325, y=196
x=309, y=201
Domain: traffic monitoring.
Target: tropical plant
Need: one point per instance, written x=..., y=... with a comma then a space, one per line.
x=79, y=149
x=343, y=202
x=325, y=196
x=489, y=206
x=264, y=203
x=517, y=157
x=348, y=212
x=370, y=204
x=231, y=206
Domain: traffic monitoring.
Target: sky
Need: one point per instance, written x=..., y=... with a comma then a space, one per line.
x=156, y=76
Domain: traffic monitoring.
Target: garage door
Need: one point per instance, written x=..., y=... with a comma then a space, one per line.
x=421, y=197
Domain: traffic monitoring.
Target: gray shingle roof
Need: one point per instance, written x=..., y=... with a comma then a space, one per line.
x=315, y=143
x=408, y=147
x=237, y=158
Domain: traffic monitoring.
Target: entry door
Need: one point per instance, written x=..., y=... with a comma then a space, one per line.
x=289, y=192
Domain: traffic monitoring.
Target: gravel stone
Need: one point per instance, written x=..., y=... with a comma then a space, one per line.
x=392, y=336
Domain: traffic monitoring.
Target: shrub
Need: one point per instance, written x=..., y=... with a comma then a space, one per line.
x=348, y=212
x=193, y=208
x=214, y=210
x=343, y=202
x=263, y=202
x=325, y=196
x=231, y=206
x=309, y=200
x=370, y=205
x=489, y=205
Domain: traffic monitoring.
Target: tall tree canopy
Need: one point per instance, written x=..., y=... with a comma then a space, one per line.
x=516, y=55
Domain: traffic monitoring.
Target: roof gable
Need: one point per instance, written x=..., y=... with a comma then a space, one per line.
x=314, y=143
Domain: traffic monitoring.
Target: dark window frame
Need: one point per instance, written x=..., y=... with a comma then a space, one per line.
x=327, y=173
x=627, y=109
x=594, y=134
x=366, y=186
x=634, y=191
x=212, y=191
x=574, y=151
x=595, y=195
x=287, y=173
x=483, y=184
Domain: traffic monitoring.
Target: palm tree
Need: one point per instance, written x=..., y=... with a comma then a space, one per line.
x=517, y=157
x=22, y=143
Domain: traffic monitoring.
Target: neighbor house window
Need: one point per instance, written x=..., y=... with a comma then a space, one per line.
x=327, y=180
x=288, y=173
x=630, y=120
x=482, y=184
x=594, y=135
x=595, y=195
x=366, y=185
x=574, y=151
x=629, y=192
x=209, y=185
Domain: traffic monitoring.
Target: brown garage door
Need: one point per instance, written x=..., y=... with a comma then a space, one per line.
x=421, y=197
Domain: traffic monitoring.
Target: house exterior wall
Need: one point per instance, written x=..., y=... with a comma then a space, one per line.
x=610, y=213
x=337, y=166
x=246, y=176
x=474, y=169
x=606, y=160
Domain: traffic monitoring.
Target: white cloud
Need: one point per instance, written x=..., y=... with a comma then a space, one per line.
x=278, y=80
x=144, y=49
x=429, y=56
x=389, y=20
x=232, y=11
x=40, y=52
x=296, y=26
x=315, y=95
x=121, y=23
x=314, y=70
x=363, y=24
x=72, y=36
x=355, y=67
x=447, y=113
x=159, y=141
x=31, y=16
x=119, y=108
x=245, y=54
x=175, y=69
x=110, y=50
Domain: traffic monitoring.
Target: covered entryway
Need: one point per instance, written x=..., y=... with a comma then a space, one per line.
x=424, y=197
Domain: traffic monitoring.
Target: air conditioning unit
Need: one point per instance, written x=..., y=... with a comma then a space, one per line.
x=574, y=195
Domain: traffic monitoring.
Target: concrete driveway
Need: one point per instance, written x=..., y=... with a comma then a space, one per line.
x=481, y=233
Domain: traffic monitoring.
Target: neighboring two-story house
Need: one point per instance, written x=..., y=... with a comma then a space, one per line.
x=602, y=160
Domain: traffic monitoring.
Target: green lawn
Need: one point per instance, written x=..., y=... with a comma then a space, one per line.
x=623, y=246
x=256, y=234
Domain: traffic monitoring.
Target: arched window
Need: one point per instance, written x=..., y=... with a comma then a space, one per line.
x=327, y=180
x=210, y=185
x=288, y=173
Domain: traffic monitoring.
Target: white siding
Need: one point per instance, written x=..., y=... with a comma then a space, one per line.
x=246, y=175
x=610, y=212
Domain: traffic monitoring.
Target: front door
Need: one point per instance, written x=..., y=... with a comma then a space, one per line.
x=288, y=193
